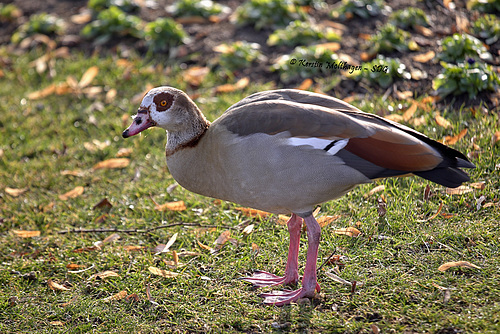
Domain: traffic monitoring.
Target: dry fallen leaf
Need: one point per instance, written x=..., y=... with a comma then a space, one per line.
x=478, y=185
x=442, y=122
x=14, y=192
x=228, y=88
x=451, y=140
x=26, y=234
x=349, y=231
x=56, y=323
x=424, y=57
x=131, y=248
x=56, y=286
x=77, y=191
x=88, y=76
x=464, y=264
x=326, y=220
x=74, y=266
x=105, y=274
x=459, y=190
x=408, y=114
x=110, y=95
x=162, y=272
x=78, y=173
x=249, y=212
x=124, y=152
x=331, y=46
x=377, y=189
x=112, y=163
x=255, y=247
x=223, y=238
x=495, y=138
x=118, y=296
x=423, y=30
x=172, y=206
x=195, y=75
x=305, y=85
x=187, y=253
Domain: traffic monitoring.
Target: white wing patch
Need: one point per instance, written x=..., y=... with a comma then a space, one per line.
x=329, y=145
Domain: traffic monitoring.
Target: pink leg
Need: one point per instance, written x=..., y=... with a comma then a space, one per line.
x=262, y=278
x=309, y=281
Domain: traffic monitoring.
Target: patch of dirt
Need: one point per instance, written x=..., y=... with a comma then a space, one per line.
x=205, y=36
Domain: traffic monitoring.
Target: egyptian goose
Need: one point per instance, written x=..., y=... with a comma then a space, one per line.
x=286, y=151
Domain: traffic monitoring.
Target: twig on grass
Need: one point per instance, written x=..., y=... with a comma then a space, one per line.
x=137, y=230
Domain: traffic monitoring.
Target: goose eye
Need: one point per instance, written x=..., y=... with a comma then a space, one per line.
x=163, y=103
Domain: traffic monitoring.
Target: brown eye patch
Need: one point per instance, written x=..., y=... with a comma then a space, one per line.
x=163, y=101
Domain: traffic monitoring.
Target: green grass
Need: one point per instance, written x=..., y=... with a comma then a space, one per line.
x=41, y=138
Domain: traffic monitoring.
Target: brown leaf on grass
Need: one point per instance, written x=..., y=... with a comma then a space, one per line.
x=56, y=323
x=81, y=18
x=441, y=121
x=14, y=192
x=427, y=192
x=68, y=303
x=336, y=259
x=162, y=272
x=77, y=173
x=88, y=76
x=112, y=163
x=40, y=94
x=305, y=85
x=110, y=95
x=204, y=246
x=365, y=36
x=462, y=23
x=191, y=20
x=375, y=190
x=326, y=220
x=195, y=75
x=124, y=152
x=120, y=295
x=255, y=247
x=77, y=191
x=74, y=266
x=408, y=114
x=249, y=212
x=495, y=138
x=478, y=185
x=451, y=140
x=459, y=190
x=394, y=117
x=105, y=274
x=103, y=204
x=424, y=57
x=26, y=234
x=171, y=206
x=111, y=238
x=175, y=256
x=437, y=212
x=349, y=231
x=223, y=238
x=463, y=264
x=131, y=248
x=228, y=88
x=86, y=249
x=404, y=95
x=423, y=30
x=365, y=56
x=56, y=286
x=188, y=253
x=331, y=46
x=134, y=297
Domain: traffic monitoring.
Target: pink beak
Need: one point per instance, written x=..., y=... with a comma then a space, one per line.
x=141, y=122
